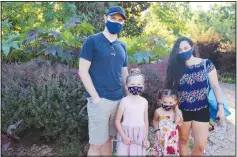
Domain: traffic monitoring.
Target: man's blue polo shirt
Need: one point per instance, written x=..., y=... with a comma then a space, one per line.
x=107, y=60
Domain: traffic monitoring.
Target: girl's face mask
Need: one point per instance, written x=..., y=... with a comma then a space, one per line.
x=167, y=107
x=135, y=90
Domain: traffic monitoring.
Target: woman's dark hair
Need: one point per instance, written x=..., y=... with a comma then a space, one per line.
x=176, y=66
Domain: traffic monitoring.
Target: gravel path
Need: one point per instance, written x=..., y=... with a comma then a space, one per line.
x=217, y=145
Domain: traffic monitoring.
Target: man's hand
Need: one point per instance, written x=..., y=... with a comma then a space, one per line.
x=96, y=100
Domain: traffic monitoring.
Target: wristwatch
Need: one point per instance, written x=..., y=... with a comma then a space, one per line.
x=157, y=130
x=220, y=103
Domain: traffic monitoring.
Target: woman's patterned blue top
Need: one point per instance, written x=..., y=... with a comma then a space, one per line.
x=193, y=85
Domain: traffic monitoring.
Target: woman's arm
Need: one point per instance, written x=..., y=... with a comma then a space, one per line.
x=178, y=114
x=212, y=75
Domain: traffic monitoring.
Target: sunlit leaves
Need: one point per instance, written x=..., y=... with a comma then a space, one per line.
x=72, y=22
x=141, y=57
x=11, y=41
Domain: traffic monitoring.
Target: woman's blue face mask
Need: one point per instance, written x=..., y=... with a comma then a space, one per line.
x=184, y=56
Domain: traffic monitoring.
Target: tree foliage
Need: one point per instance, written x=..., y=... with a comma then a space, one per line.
x=57, y=30
x=49, y=29
x=221, y=17
x=133, y=26
x=174, y=15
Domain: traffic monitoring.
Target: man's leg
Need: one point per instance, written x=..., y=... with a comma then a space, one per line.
x=98, y=125
x=94, y=150
x=107, y=148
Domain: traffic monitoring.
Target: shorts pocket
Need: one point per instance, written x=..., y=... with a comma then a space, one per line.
x=96, y=104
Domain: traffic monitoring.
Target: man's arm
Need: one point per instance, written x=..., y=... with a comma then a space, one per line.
x=83, y=72
x=124, y=77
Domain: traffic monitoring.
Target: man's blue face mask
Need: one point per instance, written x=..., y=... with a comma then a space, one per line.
x=114, y=27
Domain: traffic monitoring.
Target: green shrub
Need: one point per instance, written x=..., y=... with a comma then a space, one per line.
x=156, y=46
x=209, y=46
x=45, y=96
x=227, y=77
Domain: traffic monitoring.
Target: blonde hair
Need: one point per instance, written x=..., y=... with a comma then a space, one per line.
x=134, y=72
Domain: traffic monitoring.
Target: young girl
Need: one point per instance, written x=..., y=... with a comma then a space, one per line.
x=166, y=128
x=132, y=136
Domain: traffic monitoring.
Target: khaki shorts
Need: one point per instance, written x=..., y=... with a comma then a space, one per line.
x=101, y=120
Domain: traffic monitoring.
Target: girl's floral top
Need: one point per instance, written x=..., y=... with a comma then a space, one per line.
x=193, y=87
x=169, y=137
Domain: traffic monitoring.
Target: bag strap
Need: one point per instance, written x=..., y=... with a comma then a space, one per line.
x=205, y=69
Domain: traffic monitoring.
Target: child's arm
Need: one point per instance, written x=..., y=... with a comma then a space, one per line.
x=156, y=120
x=156, y=126
x=146, y=120
x=118, y=125
x=147, y=143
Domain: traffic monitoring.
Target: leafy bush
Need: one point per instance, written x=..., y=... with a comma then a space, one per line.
x=227, y=77
x=209, y=46
x=155, y=46
x=226, y=63
x=228, y=47
x=140, y=57
x=206, y=41
x=227, y=59
x=135, y=44
x=47, y=32
x=45, y=96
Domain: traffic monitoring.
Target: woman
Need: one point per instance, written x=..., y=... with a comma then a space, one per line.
x=186, y=74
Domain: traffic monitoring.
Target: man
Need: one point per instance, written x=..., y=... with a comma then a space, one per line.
x=103, y=71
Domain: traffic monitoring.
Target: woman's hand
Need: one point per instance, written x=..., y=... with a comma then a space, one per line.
x=220, y=113
x=178, y=117
x=178, y=120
